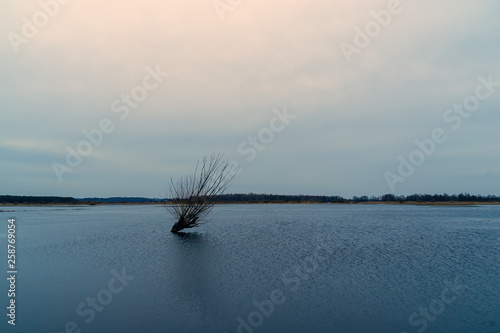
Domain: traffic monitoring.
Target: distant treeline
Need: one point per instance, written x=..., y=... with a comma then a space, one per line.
x=462, y=197
x=276, y=198
x=31, y=200
x=257, y=198
x=120, y=200
x=40, y=200
x=273, y=198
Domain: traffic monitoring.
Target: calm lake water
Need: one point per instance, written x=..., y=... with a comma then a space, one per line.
x=255, y=268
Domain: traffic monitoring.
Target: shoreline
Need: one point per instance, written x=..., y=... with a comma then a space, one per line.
x=409, y=203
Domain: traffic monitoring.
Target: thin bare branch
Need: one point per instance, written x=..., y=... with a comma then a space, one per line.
x=194, y=195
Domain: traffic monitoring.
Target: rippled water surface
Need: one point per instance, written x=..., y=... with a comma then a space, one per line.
x=256, y=268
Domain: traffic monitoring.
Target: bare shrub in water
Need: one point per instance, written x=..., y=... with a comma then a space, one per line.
x=194, y=195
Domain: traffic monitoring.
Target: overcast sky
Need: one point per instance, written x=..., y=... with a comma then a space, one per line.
x=310, y=97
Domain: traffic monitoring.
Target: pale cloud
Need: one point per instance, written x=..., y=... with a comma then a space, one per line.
x=353, y=120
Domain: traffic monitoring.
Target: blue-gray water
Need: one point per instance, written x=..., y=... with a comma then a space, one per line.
x=327, y=268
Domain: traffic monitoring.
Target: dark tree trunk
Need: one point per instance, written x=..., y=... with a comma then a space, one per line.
x=178, y=226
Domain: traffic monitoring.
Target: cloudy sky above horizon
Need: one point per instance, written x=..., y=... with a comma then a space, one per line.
x=231, y=69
